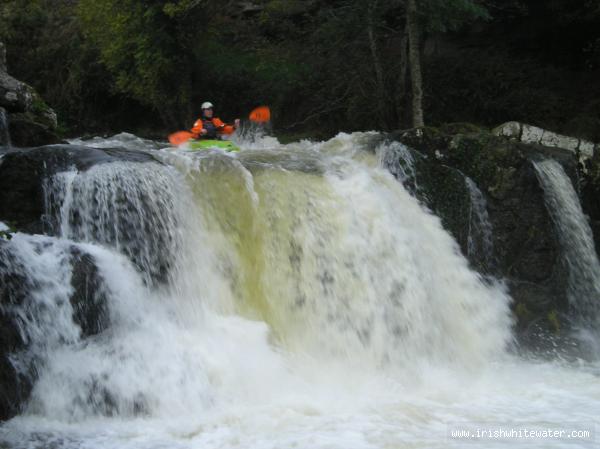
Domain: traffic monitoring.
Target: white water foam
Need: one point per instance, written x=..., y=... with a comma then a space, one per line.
x=180, y=367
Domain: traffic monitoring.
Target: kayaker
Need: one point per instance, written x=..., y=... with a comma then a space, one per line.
x=210, y=127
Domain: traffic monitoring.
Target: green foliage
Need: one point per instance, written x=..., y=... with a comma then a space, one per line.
x=136, y=43
x=131, y=64
x=45, y=48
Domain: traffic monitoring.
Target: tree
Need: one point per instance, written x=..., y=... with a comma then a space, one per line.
x=46, y=48
x=138, y=44
x=434, y=16
x=414, y=57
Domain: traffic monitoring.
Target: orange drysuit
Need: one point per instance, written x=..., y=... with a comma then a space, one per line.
x=214, y=128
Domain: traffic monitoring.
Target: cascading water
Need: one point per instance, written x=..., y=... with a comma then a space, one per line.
x=399, y=160
x=577, y=242
x=129, y=206
x=480, y=243
x=40, y=270
x=312, y=303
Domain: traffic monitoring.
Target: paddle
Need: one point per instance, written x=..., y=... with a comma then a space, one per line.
x=180, y=137
x=261, y=114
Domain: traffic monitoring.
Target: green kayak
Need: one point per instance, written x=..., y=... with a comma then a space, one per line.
x=199, y=145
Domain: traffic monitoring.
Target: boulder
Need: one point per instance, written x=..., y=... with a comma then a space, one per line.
x=31, y=121
x=90, y=312
x=35, y=126
x=89, y=301
x=14, y=386
x=14, y=95
x=527, y=253
x=590, y=194
x=30, y=201
x=535, y=135
x=23, y=173
x=26, y=131
x=2, y=57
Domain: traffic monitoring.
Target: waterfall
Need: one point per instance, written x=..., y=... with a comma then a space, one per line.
x=310, y=301
x=42, y=265
x=480, y=245
x=399, y=160
x=577, y=241
x=131, y=207
x=4, y=131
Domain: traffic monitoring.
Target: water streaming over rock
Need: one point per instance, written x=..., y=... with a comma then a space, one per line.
x=311, y=302
x=39, y=273
x=579, y=251
x=132, y=207
x=400, y=161
x=480, y=242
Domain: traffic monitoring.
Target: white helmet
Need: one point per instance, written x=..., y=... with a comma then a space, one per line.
x=207, y=105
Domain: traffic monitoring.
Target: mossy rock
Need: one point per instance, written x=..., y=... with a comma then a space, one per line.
x=26, y=131
x=443, y=190
x=427, y=140
x=461, y=128
x=527, y=252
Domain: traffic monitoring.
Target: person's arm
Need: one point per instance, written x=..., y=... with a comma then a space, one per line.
x=218, y=123
x=226, y=129
x=198, y=129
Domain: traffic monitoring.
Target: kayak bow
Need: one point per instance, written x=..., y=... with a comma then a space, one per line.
x=204, y=145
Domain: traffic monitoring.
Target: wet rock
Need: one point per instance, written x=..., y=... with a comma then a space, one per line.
x=14, y=386
x=23, y=173
x=590, y=195
x=36, y=125
x=443, y=190
x=89, y=301
x=26, y=132
x=527, y=252
x=90, y=313
x=2, y=57
x=14, y=95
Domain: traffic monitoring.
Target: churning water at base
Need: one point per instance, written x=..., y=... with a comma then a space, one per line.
x=313, y=304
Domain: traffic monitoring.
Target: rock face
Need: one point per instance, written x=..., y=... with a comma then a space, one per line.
x=14, y=95
x=17, y=372
x=2, y=57
x=527, y=253
x=532, y=134
x=22, y=173
x=14, y=386
x=31, y=121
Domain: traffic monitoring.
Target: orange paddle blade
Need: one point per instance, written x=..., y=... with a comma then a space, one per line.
x=180, y=137
x=261, y=114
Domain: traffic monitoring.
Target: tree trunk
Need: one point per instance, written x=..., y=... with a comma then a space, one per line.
x=402, y=97
x=414, y=58
x=379, y=78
